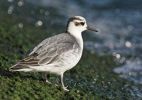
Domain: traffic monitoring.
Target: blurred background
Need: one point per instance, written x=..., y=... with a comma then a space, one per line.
x=119, y=24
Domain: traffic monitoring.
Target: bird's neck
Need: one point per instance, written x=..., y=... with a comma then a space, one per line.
x=78, y=36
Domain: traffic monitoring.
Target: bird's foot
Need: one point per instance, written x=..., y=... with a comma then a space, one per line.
x=56, y=85
x=65, y=88
x=47, y=81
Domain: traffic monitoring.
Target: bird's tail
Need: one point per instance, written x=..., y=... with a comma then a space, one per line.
x=19, y=67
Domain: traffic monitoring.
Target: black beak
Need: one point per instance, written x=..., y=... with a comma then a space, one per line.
x=92, y=29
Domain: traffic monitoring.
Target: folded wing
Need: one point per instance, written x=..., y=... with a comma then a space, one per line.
x=46, y=52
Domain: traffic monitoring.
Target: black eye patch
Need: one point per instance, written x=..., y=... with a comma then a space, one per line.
x=82, y=23
x=79, y=23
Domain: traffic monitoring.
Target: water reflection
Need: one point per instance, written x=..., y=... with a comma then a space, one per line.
x=131, y=70
x=20, y=3
x=39, y=23
x=10, y=10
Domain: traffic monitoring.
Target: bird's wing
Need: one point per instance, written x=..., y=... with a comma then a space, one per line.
x=46, y=52
x=48, y=56
x=51, y=41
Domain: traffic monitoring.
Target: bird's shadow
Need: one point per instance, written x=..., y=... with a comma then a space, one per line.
x=24, y=76
x=10, y=74
x=7, y=73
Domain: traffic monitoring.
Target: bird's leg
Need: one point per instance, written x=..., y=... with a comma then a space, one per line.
x=46, y=80
x=65, y=88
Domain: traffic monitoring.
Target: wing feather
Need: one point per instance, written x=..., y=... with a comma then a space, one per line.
x=47, y=51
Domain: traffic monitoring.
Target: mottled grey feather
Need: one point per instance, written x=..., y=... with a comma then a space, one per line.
x=52, y=41
x=49, y=50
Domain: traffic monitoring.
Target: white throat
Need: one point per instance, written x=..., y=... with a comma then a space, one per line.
x=78, y=36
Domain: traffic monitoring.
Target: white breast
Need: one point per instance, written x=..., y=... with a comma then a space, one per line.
x=70, y=59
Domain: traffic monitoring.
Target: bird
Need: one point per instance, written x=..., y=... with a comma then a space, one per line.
x=57, y=54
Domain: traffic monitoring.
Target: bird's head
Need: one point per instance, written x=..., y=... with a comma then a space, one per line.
x=78, y=24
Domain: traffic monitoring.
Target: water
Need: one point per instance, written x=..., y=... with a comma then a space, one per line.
x=119, y=25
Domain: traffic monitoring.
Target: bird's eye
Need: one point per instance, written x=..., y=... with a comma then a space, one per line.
x=82, y=23
x=77, y=24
